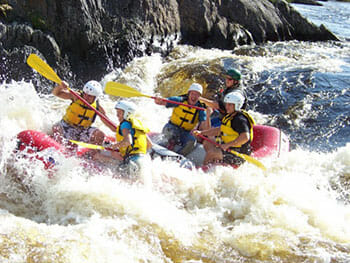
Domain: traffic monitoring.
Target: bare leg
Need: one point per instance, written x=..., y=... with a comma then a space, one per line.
x=207, y=145
x=213, y=154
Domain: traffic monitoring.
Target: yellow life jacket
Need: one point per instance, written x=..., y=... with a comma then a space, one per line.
x=185, y=117
x=228, y=134
x=78, y=114
x=139, y=139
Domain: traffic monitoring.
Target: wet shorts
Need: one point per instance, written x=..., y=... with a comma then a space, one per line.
x=76, y=133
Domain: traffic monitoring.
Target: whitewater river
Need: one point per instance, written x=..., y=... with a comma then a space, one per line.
x=296, y=211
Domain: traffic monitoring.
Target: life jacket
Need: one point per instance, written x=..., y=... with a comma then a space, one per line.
x=228, y=134
x=186, y=117
x=78, y=114
x=139, y=139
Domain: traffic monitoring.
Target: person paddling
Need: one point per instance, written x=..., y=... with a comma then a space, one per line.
x=184, y=119
x=132, y=141
x=232, y=83
x=77, y=122
x=235, y=133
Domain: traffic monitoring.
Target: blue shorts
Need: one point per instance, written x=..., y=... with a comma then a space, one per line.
x=133, y=158
x=179, y=135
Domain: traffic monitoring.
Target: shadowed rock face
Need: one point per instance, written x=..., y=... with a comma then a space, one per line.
x=93, y=36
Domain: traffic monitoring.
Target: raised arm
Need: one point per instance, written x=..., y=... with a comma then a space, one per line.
x=62, y=91
x=210, y=103
x=210, y=132
x=105, y=122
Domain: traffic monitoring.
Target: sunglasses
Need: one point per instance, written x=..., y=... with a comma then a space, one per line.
x=228, y=78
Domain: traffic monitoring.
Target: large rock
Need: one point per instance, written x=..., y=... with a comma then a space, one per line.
x=93, y=36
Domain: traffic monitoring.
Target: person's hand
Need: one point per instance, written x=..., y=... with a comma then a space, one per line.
x=62, y=91
x=107, y=144
x=224, y=146
x=110, y=145
x=115, y=146
x=64, y=85
x=209, y=111
x=159, y=101
x=196, y=132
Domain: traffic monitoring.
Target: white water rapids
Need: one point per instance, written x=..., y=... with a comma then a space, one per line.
x=297, y=211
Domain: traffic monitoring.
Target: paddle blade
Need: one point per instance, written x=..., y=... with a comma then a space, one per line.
x=43, y=68
x=122, y=90
x=88, y=145
x=249, y=159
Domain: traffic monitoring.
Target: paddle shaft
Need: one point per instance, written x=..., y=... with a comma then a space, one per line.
x=207, y=139
x=122, y=90
x=179, y=103
x=93, y=146
x=102, y=116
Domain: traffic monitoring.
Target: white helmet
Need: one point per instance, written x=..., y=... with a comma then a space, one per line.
x=128, y=108
x=93, y=88
x=236, y=98
x=196, y=87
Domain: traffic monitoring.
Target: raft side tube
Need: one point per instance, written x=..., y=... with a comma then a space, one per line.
x=268, y=141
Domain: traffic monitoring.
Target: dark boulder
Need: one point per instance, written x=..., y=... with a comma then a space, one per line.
x=91, y=37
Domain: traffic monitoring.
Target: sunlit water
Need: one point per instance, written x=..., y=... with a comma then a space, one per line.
x=297, y=211
x=334, y=15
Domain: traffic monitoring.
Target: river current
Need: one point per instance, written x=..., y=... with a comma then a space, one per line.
x=296, y=211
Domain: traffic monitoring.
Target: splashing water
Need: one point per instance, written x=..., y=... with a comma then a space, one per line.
x=297, y=211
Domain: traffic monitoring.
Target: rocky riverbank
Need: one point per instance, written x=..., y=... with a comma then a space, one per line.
x=90, y=37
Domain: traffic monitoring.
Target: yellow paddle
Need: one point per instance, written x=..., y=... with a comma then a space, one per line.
x=122, y=90
x=45, y=70
x=90, y=146
x=241, y=155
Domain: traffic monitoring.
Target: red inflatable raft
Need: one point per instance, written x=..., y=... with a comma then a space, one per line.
x=267, y=142
x=32, y=142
